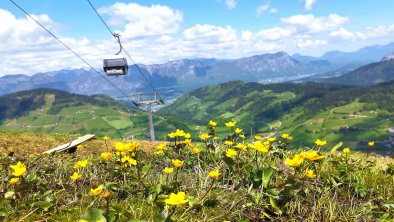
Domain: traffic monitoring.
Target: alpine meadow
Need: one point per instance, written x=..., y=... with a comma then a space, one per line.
x=211, y=110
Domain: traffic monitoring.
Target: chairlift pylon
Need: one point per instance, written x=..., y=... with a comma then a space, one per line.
x=117, y=66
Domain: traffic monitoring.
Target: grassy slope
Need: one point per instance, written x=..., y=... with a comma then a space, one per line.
x=116, y=121
x=307, y=111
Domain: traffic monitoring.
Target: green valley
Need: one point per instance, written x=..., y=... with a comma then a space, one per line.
x=309, y=111
x=54, y=111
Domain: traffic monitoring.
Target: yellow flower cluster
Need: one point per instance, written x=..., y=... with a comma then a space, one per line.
x=179, y=133
x=176, y=199
x=231, y=153
x=320, y=142
x=231, y=124
x=160, y=148
x=204, y=136
x=260, y=146
x=177, y=163
x=126, y=147
x=81, y=164
x=126, y=160
x=212, y=123
x=106, y=156
x=214, y=174
x=75, y=176
x=299, y=158
x=19, y=169
x=287, y=136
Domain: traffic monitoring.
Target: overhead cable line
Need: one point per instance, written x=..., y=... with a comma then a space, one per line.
x=71, y=50
x=114, y=35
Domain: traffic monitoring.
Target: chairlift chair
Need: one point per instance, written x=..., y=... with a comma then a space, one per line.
x=116, y=66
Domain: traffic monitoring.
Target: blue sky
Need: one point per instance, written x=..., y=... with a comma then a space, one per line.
x=156, y=31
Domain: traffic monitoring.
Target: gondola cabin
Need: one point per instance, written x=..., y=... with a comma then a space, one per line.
x=115, y=67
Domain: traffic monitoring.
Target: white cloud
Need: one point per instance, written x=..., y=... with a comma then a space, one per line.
x=210, y=34
x=246, y=35
x=142, y=21
x=26, y=48
x=302, y=43
x=231, y=4
x=276, y=33
x=312, y=24
x=265, y=8
x=262, y=8
x=343, y=33
x=308, y=4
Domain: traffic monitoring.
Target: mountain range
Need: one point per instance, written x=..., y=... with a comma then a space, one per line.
x=173, y=78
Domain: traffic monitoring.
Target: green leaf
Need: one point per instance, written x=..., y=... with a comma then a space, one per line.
x=44, y=205
x=145, y=170
x=334, y=149
x=274, y=206
x=266, y=176
x=93, y=215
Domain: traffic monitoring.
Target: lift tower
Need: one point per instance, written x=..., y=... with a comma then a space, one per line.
x=147, y=99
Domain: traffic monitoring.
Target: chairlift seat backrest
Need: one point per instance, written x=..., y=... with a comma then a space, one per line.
x=115, y=67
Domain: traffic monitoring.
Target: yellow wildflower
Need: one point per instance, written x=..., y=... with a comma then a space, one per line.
x=106, y=155
x=346, y=150
x=228, y=143
x=204, y=136
x=187, y=136
x=161, y=146
x=96, y=191
x=106, y=138
x=168, y=170
x=187, y=142
x=75, y=176
x=371, y=143
x=295, y=162
x=10, y=149
x=231, y=124
x=242, y=136
x=259, y=146
x=231, y=153
x=19, y=169
x=177, y=163
x=159, y=152
x=128, y=160
x=241, y=146
x=121, y=147
x=309, y=173
x=120, y=153
x=212, y=123
x=79, y=146
x=14, y=180
x=81, y=164
x=285, y=136
x=176, y=199
x=238, y=130
x=257, y=137
x=83, y=221
x=320, y=142
x=214, y=174
x=131, y=146
x=271, y=139
x=196, y=150
x=312, y=155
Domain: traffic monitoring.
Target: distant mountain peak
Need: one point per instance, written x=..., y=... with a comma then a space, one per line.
x=388, y=57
